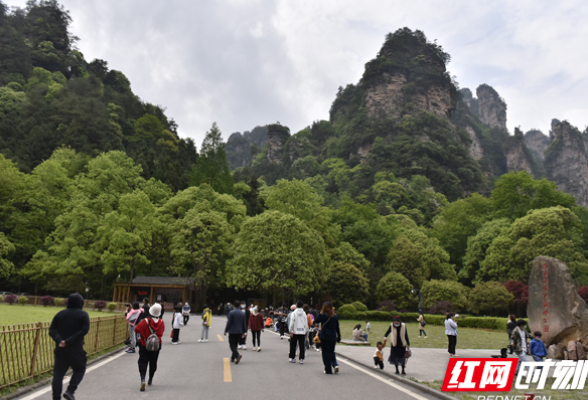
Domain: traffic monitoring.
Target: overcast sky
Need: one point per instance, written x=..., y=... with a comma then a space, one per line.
x=244, y=63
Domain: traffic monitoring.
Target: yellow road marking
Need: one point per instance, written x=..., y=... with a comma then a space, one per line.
x=220, y=338
x=227, y=365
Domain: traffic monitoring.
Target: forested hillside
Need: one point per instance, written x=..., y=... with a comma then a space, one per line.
x=411, y=183
x=52, y=97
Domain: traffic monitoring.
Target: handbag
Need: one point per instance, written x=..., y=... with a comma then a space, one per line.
x=408, y=354
x=423, y=324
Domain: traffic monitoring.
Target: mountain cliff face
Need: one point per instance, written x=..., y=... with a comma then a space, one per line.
x=566, y=162
x=241, y=149
x=518, y=157
x=536, y=141
x=491, y=107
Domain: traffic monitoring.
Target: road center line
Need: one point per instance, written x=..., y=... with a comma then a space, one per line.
x=387, y=382
x=227, y=368
x=220, y=338
x=67, y=378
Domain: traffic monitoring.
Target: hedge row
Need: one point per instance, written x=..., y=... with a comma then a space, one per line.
x=498, y=324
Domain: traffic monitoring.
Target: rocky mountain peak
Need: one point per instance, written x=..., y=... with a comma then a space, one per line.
x=491, y=107
x=277, y=136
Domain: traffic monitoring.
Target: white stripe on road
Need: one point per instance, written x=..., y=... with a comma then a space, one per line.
x=386, y=381
x=67, y=378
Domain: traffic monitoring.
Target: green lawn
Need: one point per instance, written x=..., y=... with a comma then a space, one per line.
x=468, y=338
x=17, y=314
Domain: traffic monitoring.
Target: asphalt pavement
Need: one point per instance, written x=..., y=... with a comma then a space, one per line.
x=202, y=370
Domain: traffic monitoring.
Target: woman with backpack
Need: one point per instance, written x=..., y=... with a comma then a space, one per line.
x=177, y=323
x=133, y=318
x=329, y=336
x=422, y=324
x=150, y=331
x=206, y=320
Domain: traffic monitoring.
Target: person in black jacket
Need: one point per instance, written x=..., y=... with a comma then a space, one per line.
x=237, y=329
x=329, y=335
x=243, y=341
x=68, y=329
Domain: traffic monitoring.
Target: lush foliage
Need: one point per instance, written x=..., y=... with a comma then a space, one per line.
x=435, y=291
x=490, y=298
x=100, y=305
x=47, y=301
x=346, y=284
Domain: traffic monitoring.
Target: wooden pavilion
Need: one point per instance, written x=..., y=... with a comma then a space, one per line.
x=164, y=289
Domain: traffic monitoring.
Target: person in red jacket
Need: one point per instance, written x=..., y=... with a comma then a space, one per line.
x=149, y=357
x=256, y=327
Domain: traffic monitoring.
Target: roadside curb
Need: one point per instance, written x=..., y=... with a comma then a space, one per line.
x=24, y=390
x=406, y=381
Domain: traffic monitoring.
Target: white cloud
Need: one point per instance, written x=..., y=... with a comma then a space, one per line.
x=244, y=63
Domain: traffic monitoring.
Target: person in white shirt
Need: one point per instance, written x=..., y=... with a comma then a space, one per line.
x=298, y=326
x=177, y=323
x=451, y=332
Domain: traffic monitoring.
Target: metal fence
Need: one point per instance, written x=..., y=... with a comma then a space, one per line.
x=26, y=350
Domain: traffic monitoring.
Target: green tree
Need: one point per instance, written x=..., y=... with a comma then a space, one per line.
x=478, y=247
x=517, y=192
x=346, y=253
x=6, y=267
x=551, y=232
x=278, y=252
x=394, y=286
x=490, y=298
x=437, y=290
x=346, y=284
x=126, y=233
x=457, y=222
x=212, y=166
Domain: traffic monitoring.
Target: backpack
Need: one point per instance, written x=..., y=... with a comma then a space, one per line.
x=152, y=342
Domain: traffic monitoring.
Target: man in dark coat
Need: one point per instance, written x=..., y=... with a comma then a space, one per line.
x=68, y=329
x=237, y=329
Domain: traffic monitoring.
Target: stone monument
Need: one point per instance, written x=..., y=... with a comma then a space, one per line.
x=555, y=309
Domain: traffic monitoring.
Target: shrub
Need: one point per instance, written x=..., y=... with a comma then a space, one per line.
x=111, y=307
x=491, y=298
x=10, y=299
x=441, y=308
x=1, y=299
x=359, y=306
x=346, y=311
x=59, y=302
x=99, y=305
x=583, y=292
x=47, y=301
x=435, y=291
x=22, y=300
x=394, y=286
x=386, y=305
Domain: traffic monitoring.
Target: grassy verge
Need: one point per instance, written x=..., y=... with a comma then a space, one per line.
x=13, y=388
x=17, y=314
x=469, y=338
x=546, y=393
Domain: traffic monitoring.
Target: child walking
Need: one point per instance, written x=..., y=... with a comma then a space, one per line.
x=379, y=356
x=176, y=325
x=537, y=347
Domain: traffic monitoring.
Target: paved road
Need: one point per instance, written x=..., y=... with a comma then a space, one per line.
x=198, y=370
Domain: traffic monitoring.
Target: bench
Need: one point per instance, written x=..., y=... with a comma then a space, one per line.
x=354, y=342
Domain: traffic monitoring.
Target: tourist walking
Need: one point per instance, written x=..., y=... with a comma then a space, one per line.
x=146, y=307
x=400, y=343
x=451, y=332
x=281, y=313
x=206, y=321
x=245, y=310
x=132, y=320
x=236, y=327
x=298, y=327
x=537, y=348
x=149, y=345
x=422, y=324
x=379, y=356
x=255, y=324
x=518, y=341
x=511, y=325
x=67, y=330
x=177, y=323
x=186, y=313
x=329, y=336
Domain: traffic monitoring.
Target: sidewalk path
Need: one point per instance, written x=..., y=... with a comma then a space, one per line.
x=199, y=370
x=424, y=365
